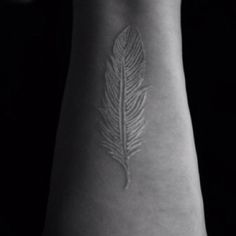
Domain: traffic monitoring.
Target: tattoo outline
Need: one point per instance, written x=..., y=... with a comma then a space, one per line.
x=123, y=104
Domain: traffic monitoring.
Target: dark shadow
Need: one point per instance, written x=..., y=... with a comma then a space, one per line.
x=35, y=50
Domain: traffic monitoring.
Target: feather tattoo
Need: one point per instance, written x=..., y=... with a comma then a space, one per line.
x=123, y=103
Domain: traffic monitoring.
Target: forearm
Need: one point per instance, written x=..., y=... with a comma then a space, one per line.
x=87, y=194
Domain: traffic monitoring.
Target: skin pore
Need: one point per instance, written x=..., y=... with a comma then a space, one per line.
x=87, y=196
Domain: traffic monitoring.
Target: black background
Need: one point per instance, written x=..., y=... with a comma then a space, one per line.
x=35, y=51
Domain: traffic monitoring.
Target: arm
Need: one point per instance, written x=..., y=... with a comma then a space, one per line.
x=87, y=195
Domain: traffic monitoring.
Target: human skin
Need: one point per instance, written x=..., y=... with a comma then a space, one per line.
x=87, y=196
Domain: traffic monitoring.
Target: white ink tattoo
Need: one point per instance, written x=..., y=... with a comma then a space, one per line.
x=122, y=111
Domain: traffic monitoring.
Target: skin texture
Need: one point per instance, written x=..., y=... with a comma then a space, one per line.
x=87, y=196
